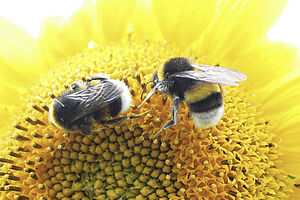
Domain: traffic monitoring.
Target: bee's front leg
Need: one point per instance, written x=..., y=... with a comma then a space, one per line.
x=173, y=121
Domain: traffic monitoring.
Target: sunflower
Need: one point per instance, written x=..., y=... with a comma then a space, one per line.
x=251, y=154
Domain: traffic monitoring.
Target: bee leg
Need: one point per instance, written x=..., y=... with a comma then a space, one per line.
x=176, y=101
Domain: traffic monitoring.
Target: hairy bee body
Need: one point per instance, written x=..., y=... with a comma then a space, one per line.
x=98, y=99
x=205, y=103
x=204, y=99
x=199, y=88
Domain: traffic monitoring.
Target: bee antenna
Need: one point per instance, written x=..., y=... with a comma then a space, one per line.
x=145, y=88
x=60, y=103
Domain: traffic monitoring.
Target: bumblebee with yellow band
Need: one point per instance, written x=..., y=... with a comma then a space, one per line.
x=199, y=88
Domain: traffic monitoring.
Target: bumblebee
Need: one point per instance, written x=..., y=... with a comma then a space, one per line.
x=197, y=85
x=97, y=99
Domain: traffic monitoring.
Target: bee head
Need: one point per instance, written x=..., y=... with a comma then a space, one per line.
x=59, y=108
x=61, y=112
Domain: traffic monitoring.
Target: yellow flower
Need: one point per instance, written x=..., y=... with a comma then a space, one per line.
x=252, y=153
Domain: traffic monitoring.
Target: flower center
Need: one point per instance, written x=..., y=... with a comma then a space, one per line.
x=236, y=158
x=114, y=163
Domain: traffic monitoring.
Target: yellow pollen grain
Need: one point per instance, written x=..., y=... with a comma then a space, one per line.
x=176, y=141
x=238, y=154
x=199, y=190
x=178, y=165
x=205, y=162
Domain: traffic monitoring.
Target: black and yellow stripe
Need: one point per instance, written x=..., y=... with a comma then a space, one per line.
x=204, y=97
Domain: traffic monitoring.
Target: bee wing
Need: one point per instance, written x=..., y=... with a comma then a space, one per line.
x=95, y=98
x=212, y=74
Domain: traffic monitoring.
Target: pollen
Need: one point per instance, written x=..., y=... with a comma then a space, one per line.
x=237, y=159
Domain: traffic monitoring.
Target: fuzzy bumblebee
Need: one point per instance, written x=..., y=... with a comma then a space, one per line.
x=199, y=88
x=97, y=99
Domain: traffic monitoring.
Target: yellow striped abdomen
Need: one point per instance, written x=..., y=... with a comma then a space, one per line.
x=205, y=103
x=200, y=91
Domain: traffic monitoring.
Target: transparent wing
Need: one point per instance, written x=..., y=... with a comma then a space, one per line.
x=212, y=74
x=95, y=98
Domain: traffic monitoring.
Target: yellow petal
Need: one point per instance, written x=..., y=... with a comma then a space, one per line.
x=19, y=54
x=280, y=104
x=295, y=72
x=183, y=21
x=61, y=37
x=263, y=65
x=13, y=75
x=238, y=27
x=282, y=98
x=114, y=16
x=9, y=94
x=288, y=138
x=145, y=25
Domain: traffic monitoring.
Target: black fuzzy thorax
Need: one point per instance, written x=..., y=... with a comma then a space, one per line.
x=179, y=85
x=176, y=65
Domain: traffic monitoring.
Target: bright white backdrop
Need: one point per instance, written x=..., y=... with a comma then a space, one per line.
x=29, y=13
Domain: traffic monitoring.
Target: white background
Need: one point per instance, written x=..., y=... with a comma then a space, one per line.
x=29, y=13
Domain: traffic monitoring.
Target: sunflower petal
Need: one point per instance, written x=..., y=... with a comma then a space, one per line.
x=281, y=107
x=282, y=98
x=289, y=147
x=271, y=58
x=238, y=27
x=9, y=94
x=114, y=16
x=145, y=25
x=19, y=54
x=183, y=21
x=61, y=37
